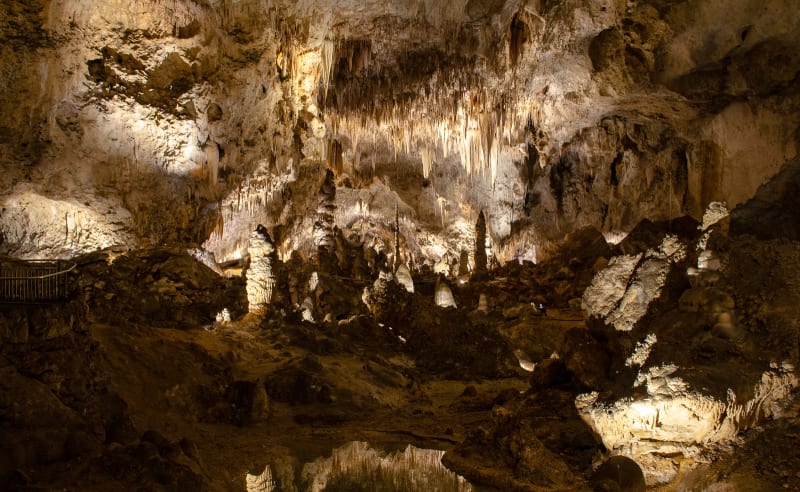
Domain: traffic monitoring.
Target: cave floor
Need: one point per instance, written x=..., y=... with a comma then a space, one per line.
x=162, y=373
x=95, y=397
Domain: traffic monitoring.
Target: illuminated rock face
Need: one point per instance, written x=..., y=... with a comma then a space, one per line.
x=189, y=123
x=623, y=291
x=671, y=418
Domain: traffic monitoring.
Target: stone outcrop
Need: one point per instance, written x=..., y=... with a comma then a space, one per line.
x=159, y=287
x=671, y=405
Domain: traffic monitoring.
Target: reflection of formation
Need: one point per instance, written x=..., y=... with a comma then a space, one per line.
x=358, y=466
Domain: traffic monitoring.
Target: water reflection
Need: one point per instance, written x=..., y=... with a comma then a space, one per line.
x=357, y=467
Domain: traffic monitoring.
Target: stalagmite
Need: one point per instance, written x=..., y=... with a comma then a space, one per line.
x=480, y=247
x=396, y=237
x=443, y=295
x=463, y=263
x=483, y=304
x=324, y=222
x=403, y=277
x=307, y=310
x=260, y=275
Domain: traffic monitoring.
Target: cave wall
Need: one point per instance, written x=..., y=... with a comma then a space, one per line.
x=189, y=122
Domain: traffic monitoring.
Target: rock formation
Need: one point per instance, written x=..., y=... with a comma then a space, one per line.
x=404, y=278
x=324, y=235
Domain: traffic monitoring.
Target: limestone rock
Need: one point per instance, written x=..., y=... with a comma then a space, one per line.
x=714, y=213
x=386, y=299
x=609, y=285
x=772, y=211
x=623, y=291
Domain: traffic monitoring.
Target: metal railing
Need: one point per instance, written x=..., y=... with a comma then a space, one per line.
x=34, y=282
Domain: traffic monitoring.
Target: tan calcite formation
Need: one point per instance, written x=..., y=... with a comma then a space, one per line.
x=443, y=295
x=404, y=278
x=609, y=285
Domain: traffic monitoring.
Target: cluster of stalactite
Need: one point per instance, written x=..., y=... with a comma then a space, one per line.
x=430, y=103
x=472, y=125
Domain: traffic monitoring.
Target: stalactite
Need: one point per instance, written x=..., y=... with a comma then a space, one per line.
x=450, y=111
x=334, y=157
x=427, y=161
x=327, y=65
x=219, y=227
x=441, y=202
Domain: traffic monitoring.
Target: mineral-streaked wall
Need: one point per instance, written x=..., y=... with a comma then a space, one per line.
x=189, y=121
